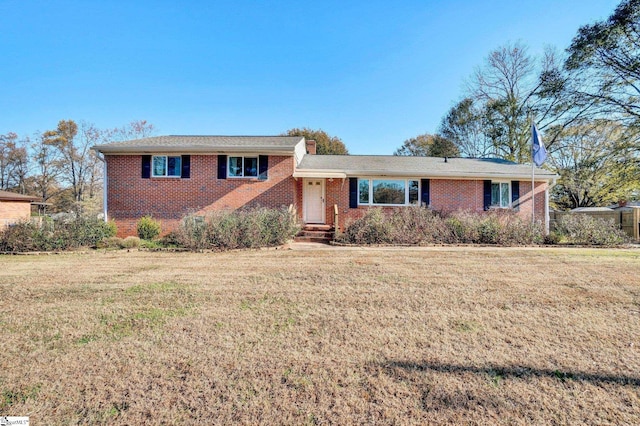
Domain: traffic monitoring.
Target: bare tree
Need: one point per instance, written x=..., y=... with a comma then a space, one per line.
x=47, y=166
x=136, y=129
x=13, y=162
x=463, y=126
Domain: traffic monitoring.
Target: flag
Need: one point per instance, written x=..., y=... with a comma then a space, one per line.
x=539, y=152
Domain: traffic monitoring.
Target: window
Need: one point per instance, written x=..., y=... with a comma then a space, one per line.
x=363, y=191
x=388, y=191
x=500, y=194
x=395, y=192
x=166, y=166
x=243, y=166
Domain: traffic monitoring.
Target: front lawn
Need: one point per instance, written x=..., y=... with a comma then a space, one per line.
x=333, y=336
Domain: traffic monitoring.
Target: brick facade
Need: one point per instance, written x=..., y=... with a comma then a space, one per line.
x=169, y=199
x=13, y=211
x=447, y=195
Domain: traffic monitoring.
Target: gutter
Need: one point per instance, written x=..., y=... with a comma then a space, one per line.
x=100, y=157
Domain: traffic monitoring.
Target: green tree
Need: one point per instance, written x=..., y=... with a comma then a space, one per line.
x=427, y=145
x=604, y=59
x=595, y=165
x=325, y=144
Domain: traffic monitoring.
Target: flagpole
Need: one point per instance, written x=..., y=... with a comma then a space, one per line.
x=538, y=157
x=533, y=184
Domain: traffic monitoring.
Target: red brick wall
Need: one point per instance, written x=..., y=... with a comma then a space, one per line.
x=14, y=211
x=169, y=199
x=447, y=195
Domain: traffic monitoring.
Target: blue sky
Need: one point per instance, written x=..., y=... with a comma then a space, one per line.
x=373, y=73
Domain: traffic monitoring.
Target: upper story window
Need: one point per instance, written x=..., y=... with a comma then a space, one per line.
x=243, y=166
x=501, y=194
x=166, y=166
x=394, y=192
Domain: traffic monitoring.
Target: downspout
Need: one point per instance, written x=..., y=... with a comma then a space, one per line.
x=547, y=217
x=104, y=184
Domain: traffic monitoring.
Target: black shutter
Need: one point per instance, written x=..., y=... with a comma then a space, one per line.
x=353, y=193
x=186, y=167
x=515, y=195
x=425, y=196
x=146, y=166
x=263, y=165
x=487, y=194
x=222, y=166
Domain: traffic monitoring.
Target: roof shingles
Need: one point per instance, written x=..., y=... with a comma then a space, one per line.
x=389, y=165
x=202, y=144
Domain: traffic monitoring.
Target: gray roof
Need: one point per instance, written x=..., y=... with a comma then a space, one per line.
x=203, y=144
x=389, y=165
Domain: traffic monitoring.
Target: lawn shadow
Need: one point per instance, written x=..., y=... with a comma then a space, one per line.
x=439, y=395
x=517, y=371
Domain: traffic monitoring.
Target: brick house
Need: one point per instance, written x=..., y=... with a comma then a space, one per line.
x=169, y=177
x=15, y=207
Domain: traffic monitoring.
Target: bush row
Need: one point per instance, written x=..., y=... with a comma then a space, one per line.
x=55, y=235
x=585, y=229
x=417, y=225
x=262, y=227
x=246, y=228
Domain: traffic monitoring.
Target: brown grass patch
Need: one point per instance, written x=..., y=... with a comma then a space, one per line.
x=339, y=336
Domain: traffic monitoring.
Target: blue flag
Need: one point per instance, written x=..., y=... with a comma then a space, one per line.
x=539, y=151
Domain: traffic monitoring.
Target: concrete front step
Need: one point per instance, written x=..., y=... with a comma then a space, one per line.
x=304, y=239
x=326, y=228
x=307, y=233
x=315, y=234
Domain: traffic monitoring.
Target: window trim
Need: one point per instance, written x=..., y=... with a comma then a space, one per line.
x=230, y=176
x=509, y=196
x=166, y=160
x=406, y=191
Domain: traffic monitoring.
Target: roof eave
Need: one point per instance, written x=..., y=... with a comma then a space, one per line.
x=435, y=175
x=111, y=150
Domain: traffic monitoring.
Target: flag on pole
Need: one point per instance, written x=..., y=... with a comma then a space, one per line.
x=539, y=153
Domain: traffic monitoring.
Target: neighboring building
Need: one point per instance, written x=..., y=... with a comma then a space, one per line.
x=15, y=207
x=169, y=177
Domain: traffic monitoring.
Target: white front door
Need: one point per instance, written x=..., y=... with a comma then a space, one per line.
x=314, y=211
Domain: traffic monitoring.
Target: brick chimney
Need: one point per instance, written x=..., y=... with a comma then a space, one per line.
x=311, y=147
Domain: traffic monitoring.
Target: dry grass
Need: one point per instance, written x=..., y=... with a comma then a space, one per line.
x=384, y=336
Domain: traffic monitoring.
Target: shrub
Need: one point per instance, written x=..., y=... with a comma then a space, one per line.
x=52, y=235
x=110, y=243
x=585, y=229
x=131, y=242
x=247, y=228
x=147, y=228
x=373, y=228
x=554, y=237
x=416, y=225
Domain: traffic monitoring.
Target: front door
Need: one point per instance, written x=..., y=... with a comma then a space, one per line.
x=314, y=211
